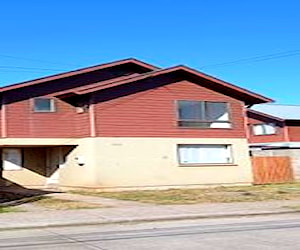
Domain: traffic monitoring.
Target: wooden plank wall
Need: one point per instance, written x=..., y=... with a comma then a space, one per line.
x=271, y=169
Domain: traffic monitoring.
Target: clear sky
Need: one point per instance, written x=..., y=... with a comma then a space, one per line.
x=40, y=38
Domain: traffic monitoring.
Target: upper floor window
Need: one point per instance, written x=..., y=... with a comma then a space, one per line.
x=264, y=129
x=43, y=105
x=202, y=114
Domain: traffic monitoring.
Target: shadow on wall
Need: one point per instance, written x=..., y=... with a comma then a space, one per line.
x=30, y=167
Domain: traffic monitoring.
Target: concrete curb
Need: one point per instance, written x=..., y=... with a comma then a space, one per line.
x=143, y=220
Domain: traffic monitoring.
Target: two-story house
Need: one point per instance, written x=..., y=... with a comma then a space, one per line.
x=126, y=124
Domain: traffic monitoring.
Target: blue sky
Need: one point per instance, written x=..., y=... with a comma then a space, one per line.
x=40, y=38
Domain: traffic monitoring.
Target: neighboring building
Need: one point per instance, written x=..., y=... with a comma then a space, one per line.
x=274, y=130
x=126, y=124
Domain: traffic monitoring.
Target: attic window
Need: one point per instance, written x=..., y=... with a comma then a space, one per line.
x=202, y=114
x=43, y=105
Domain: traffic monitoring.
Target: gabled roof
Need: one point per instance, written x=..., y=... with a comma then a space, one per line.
x=238, y=92
x=148, y=72
x=136, y=62
x=284, y=112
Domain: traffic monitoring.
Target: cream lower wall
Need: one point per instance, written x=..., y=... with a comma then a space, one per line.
x=24, y=177
x=33, y=172
x=72, y=173
x=128, y=163
x=149, y=162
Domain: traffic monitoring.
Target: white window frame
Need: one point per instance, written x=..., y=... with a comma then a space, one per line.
x=52, y=105
x=190, y=154
x=12, y=159
x=264, y=129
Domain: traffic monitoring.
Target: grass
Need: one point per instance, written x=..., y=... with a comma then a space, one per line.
x=289, y=191
x=295, y=207
x=9, y=210
x=62, y=204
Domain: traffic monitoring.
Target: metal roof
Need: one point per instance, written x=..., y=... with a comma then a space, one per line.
x=285, y=112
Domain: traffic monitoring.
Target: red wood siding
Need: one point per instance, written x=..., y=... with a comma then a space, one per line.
x=64, y=122
x=278, y=137
x=22, y=122
x=294, y=133
x=152, y=113
x=2, y=133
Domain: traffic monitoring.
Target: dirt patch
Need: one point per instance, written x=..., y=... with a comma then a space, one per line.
x=62, y=204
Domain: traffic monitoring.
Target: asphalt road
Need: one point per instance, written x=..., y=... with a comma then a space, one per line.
x=260, y=232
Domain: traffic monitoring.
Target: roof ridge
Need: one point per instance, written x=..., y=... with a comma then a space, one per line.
x=76, y=71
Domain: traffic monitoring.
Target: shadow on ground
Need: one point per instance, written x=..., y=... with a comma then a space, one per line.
x=10, y=191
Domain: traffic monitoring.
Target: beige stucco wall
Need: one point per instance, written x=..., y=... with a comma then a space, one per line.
x=131, y=163
x=37, y=168
x=14, y=142
x=33, y=172
x=149, y=162
x=80, y=175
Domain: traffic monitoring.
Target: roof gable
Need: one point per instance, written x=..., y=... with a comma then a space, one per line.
x=181, y=72
x=111, y=75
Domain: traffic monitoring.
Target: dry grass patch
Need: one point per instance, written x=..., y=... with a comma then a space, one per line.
x=9, y=209
x=62, y=204
x=204, y=195
x=295, y=207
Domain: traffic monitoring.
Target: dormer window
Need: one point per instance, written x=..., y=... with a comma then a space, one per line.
x=264, y=129
x=203, y=114
x=43, y=105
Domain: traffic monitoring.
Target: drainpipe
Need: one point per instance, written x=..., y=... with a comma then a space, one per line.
x=92, y=116
x=3, y=118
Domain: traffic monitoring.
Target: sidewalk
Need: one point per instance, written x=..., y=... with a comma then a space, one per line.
x=116, y=211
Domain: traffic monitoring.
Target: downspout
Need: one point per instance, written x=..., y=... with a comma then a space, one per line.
x=3, y=118
x=286, y=132
x=246, y=123
x=92, y=116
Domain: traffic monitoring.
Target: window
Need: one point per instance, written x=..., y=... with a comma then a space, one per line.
x=202, y=114
x=12, y=159
x=204, y=154
x=43, y=105
x=264, y=129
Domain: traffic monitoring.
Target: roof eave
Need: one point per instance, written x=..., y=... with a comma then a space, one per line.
x=265, y=115
x=250, y=97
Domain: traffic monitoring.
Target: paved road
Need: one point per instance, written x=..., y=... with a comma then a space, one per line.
x=260, y=232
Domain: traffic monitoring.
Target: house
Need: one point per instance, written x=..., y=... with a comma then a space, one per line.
x=125, y=124
x=274, y=130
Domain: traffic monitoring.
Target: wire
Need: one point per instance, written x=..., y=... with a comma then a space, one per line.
x=37, y=60
x=17, y=67
x=22, y=71
x=256, y=58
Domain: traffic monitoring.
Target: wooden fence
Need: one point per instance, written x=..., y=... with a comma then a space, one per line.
x=271, y=169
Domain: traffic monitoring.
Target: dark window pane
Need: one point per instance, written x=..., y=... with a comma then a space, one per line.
x=43, y=105
x=216, y=111
x=189, y=110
